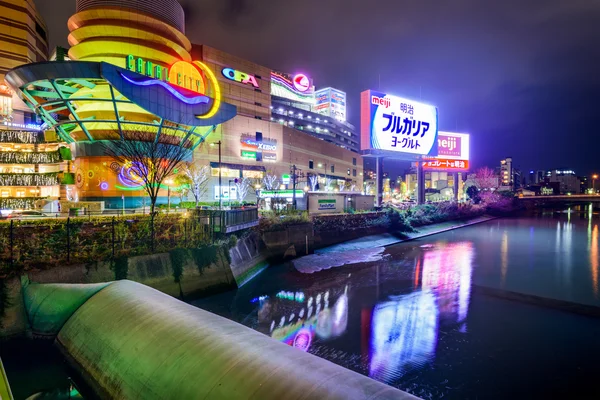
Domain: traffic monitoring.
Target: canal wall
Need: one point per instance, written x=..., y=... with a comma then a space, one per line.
x=131, y=341
x=182, y=273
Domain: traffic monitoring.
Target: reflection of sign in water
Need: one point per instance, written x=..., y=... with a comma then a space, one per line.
x=403, y=335
x=326, y=204
x=447, y=272
x=305, y=318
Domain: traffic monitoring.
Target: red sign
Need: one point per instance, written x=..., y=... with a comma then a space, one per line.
x=443, y=164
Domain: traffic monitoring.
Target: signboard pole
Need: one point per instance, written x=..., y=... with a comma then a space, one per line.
x=456, y=177
x=420, y=183
x=379, y=173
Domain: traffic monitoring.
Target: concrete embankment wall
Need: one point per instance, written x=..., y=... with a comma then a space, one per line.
x=130, y=341
x=182, y=273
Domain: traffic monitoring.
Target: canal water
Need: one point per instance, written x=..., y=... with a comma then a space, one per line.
x=445, y=316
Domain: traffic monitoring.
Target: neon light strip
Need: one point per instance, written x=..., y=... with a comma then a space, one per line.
x=215, y=84
x=201, y=99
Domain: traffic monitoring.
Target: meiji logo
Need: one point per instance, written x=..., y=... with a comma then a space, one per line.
x=449, y=146
x=380, y=101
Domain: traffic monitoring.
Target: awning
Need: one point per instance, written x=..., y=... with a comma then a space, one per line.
x=238, y=166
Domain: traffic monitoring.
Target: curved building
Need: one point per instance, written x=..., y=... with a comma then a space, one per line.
x=131, y=71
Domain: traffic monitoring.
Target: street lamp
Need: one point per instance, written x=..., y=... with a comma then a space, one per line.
x=169, y=182
x=220, y=190
x=594, y=177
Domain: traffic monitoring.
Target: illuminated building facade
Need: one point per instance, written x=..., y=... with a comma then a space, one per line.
x=320, y=113
x=30, y=160
x=132, y=68
x=23, y=40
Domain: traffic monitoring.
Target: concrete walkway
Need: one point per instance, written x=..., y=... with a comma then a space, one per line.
x=388, y=239
x=371, y=248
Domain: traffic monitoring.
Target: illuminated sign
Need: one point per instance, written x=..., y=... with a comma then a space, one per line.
x=35, y=127
x=263, y=148
x=195, y=77
x=301, y=83
x=239, y=76
x=326, y=204
x=267, y=194
x=453, y=152
x=445, y=164
x=249, y=154
x=331, y=103
x=298, y=88
x=285, y=179
x=398, y=125
x=453, y=146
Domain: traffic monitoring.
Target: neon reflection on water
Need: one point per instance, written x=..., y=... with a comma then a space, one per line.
x=303, y=320
x=404, y=329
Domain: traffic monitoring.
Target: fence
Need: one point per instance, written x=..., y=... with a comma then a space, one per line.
x=47, y=242
x=226, y=221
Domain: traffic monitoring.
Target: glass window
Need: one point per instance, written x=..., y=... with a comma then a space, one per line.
x=311, y=164
x=353, y=161
x=353, y=172
x=229, y=173
x=253, y=174
x=332, y=169
x=348, y=171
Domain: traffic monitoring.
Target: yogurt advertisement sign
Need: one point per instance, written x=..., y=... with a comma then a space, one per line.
x=397, y=124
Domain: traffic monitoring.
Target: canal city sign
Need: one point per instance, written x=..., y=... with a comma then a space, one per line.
x=397, y=125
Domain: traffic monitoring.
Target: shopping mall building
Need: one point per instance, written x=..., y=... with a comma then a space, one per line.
x=131, y=68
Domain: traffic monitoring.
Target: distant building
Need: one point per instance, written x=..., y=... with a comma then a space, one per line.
x=536, y=177
x=507, y=177
x=584, y=184
x=567, y=180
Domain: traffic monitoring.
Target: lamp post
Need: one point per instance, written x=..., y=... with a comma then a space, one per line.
x=168, y=182
x=220, y=190
x=594, y=177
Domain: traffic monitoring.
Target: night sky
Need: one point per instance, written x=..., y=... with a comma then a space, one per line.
x=521, y=76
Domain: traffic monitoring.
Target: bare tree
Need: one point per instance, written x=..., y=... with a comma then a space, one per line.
x=152, y=161
x=183, y=186
x=199, y=177
x=270, y=181
x=486, y=179
x=314, y=181
x=328, y=182
x=368, y=188
x=242, y=186
x=342, y=186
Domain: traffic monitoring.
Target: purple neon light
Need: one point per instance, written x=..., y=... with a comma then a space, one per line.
x=201, y=99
